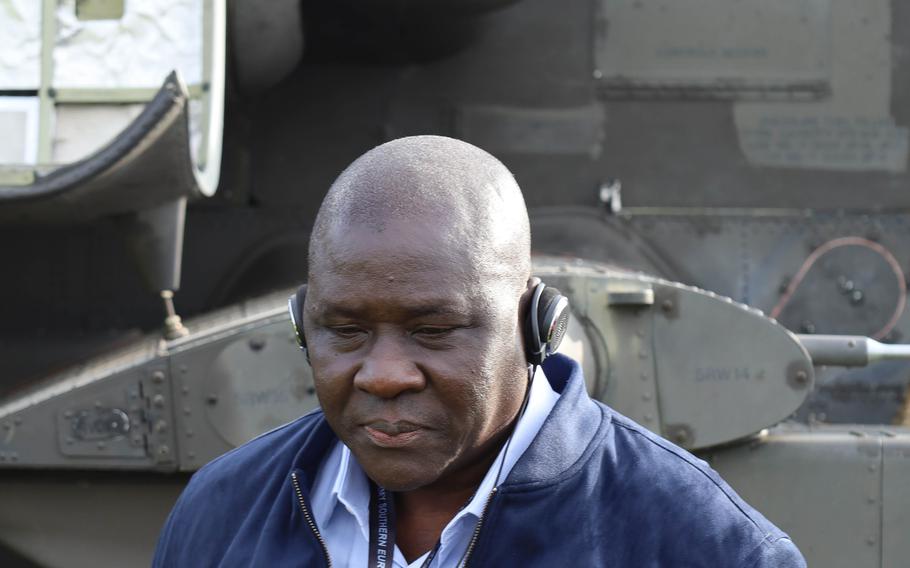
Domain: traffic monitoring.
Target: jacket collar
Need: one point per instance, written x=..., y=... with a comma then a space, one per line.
x=566, y=434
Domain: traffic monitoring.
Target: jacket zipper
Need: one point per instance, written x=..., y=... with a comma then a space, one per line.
x=473, y=542
x=309, y=519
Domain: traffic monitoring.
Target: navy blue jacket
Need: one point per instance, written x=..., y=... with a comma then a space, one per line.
x=593, y=489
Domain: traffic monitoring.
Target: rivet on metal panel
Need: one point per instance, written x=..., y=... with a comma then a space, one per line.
x=190, y=433
x=646, y=396
x=160, y=426
x=158, y=400
x=870, y=541
x=191, y=454
x=644, y=376
x=185, y=389
x=257, y=343
x=183, y=369
x=187, y=411
x=666, y=306
x=98, y=404
x=163, y=450
x=680, y=435
x=211, y=399
x=800, y=378
x=872, y=468
x=158, y=377
x=871, y=500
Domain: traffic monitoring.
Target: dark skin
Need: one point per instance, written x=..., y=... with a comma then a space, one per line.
x=418, y=361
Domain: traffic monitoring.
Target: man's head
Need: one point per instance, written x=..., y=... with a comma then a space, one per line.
x=419, y=264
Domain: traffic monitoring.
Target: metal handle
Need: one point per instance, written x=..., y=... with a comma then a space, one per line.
x=850, y=350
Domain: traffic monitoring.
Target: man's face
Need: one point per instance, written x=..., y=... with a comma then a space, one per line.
x=417, y=355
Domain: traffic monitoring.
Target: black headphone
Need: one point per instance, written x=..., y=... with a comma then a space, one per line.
x=545, y=323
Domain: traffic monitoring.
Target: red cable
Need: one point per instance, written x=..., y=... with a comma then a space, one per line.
x=841, y=242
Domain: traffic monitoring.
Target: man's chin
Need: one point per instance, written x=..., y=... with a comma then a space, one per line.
x=398, y=473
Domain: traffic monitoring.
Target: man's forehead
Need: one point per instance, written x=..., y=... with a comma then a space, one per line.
x=409, y=244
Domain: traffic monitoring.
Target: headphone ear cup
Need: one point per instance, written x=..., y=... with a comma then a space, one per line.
x=295, y=310
x=548, y=321
x=555, y=319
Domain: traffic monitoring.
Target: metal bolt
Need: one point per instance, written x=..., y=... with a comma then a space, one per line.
x=160, y=426
x=190, y=433
x=185, y=389
x=667, y=306
x=191, y=455
x=257, y=343
x=158, y=377
x=164, y=450
x=183, y=369
x=187, y=411
x=856, y=297
x=98, y=404
x=801, y=377
x=679, y=437
x=211, y=399
x=158, y=400
x=870, y=541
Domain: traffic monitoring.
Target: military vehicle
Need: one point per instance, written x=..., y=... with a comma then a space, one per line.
x=719, y=187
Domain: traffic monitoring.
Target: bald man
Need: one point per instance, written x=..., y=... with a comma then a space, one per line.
x=437, y=443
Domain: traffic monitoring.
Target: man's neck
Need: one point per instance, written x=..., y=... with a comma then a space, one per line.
x=422, y=514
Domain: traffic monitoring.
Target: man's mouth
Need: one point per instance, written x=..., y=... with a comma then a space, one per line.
x=397, y=434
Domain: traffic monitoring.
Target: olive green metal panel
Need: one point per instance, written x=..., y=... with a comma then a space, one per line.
x=80, y=520
x=896, y=501
x=724, y=370
x=823, y=486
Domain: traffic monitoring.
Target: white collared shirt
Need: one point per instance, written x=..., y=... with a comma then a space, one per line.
x=341, y=494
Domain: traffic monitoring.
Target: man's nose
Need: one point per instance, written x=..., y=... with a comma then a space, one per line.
x=387, y=371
